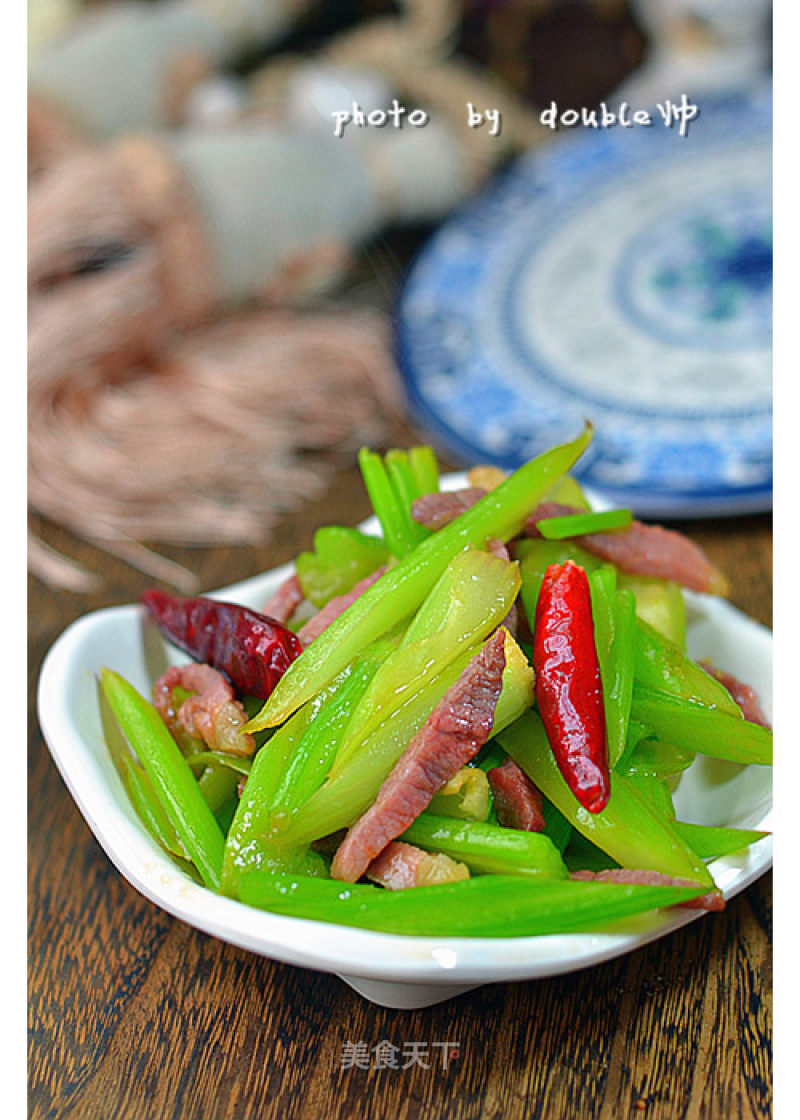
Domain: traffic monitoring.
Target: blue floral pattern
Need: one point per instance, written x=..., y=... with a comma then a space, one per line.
x=620, y=276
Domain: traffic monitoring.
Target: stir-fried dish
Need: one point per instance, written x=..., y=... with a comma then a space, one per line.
x=471, y=723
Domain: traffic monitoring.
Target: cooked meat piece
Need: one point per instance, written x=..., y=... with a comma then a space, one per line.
x=282, y=605
x=211, y=713
x=331, y=611
x=454, y=732
x=517, y=801
x=436, y=510
x=402, y=865
x=743, y=694
x=643, y=550
x=711, y=901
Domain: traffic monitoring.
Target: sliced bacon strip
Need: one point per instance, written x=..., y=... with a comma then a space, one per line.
x=331, y=611
x=517, y=801
x=210, y=713
x=640, y=550
x=453, y=734
x=711, y=901
x=436, y=510
x=402, y=865
x=643, y=550
x=282, y=605
x=745, y=696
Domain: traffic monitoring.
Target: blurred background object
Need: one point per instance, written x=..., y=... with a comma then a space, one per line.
x=133, y=66
x=700, y=47
x=210, y=266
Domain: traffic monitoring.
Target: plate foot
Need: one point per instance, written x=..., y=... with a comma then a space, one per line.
x=405, y=997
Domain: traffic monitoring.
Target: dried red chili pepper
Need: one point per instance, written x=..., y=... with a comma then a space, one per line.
x=253, y=651
x=569, y=690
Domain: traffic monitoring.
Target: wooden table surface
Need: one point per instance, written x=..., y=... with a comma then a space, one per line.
x=135, y=1015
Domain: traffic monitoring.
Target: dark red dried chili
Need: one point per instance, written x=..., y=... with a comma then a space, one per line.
x=569, y=690
x=253, y=650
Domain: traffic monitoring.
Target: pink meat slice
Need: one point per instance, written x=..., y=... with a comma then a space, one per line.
x=745, y=696
x=517, y=801
x=453, y=734
x=397, y=866
x=282, y=605
x=401, y=865
x=643, y=550
x=331, y=611
x=436, y=510
x=711, y=901
x=210, y=713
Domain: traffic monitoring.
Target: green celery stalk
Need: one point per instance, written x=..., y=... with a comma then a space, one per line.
x=623, y=662
x=401, y=589
x=581, y=524
x=216, y=784
x=602, y=588
x=150, y=810
x=311, y=759
x=343, y=798
x=486, y=848
x=218, y=760
x=246, y=844
x=614, y=617
x=425, y=469
x=399, y=531
x=655, y=791
x=465, y=797
x=556, y=825
x=536, y=556
x=404, y=482
x=662, y=665
x=581, y=854
x=708, y=731
x=171, y=777
x=659, y=602
x=568, y=492
x=340, y=559
x=712, y=842
x=468, y=601
x=474, y=583
x=225, y=814
x=398, y=467
x=627, y=828
x=486, y=906
x=636, y=733
x=490, y=756
x=650, y=756
x=345, y=795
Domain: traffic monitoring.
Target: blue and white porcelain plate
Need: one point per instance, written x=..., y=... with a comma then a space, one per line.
x=620, y=275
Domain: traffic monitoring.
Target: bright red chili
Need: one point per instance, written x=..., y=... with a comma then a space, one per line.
x=253, y=651
x=569, y=690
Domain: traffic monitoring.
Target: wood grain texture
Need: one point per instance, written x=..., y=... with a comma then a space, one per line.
x=136, y=1016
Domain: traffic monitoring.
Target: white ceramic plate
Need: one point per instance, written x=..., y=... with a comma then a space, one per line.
x=394, y=971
